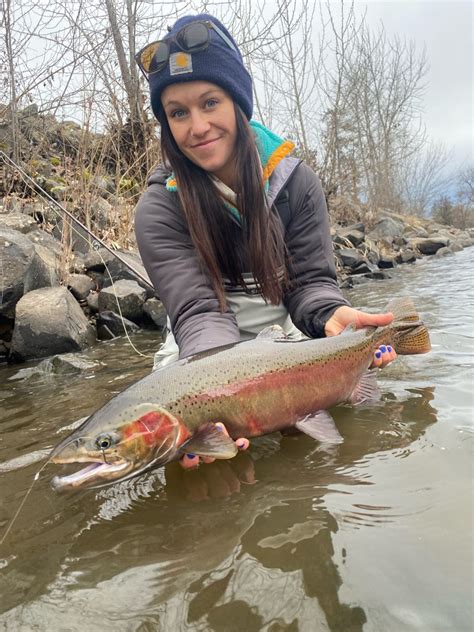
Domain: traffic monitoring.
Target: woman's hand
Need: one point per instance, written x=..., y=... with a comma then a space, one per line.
x=191, y=461
x=345, y=315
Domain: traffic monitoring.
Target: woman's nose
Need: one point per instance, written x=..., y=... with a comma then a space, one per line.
x=199, y=124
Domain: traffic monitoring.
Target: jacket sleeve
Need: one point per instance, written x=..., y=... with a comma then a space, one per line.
x=313, y=294
x=178, y=276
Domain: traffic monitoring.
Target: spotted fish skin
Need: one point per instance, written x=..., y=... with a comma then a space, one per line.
x=254, y=387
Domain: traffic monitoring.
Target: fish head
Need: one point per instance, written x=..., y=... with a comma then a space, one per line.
x=117, y=446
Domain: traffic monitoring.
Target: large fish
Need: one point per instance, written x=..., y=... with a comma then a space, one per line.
x=254, y=388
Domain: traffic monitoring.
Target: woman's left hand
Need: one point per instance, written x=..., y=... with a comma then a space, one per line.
x=345, y=315
x=191, y=461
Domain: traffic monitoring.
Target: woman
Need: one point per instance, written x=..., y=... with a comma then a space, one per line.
x=233, y=232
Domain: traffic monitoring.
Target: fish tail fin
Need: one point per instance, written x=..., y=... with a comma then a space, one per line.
x=410, y=334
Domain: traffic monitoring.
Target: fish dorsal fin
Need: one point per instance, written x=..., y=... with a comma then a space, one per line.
x=273, y=332
x=366, y=390
x=208, y=440
x=320, y=425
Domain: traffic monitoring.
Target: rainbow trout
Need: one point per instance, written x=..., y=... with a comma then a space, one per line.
x=254, y=388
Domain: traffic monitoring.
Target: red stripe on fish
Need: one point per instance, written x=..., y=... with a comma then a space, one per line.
x=273, y=399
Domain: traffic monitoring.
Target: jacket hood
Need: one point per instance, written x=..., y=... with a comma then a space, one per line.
x=271, y=149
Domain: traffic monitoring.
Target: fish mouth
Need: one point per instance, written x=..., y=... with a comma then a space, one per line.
x=96, y=474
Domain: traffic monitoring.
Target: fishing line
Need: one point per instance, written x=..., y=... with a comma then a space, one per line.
x=97, y=242
x=144, y=355
x=13, y=520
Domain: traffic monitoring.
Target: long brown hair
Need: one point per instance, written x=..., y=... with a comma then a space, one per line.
x=211, y=227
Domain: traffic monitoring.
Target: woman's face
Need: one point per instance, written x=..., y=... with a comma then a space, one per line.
x=201, y=117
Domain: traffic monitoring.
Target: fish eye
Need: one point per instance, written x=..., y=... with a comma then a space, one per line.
x=104, y=441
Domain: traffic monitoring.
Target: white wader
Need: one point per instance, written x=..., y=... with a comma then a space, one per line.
x=252, y=315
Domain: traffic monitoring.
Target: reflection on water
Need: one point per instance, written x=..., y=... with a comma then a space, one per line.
x=372, y=534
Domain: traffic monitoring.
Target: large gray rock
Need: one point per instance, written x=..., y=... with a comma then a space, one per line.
x=93, y=302
x=387, y=261
x=119, y=270
x=406, y=256
x=81, y=241
x=22, y=270
x=41, y=238
x=387, y=228
x=49, y=321
x=130, y=297
x=61, y=364
x=351, y=235
x=456, y=246
x=49, y=268
x=97, y=260
x=364, y=267
x=18, y=221
x=444, y=251
x=111, y=325
x=350, y=257
x=155, y=310
x=430, y=245
x=80, y=285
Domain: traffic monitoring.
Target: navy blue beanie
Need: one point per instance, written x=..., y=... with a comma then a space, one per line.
x=217, y=64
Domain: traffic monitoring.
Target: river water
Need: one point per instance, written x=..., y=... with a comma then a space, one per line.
x=374, y=534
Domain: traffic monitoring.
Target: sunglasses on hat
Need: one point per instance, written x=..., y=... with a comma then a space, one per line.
x=192, y=38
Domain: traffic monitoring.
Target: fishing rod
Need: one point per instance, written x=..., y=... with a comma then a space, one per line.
x=96, y=241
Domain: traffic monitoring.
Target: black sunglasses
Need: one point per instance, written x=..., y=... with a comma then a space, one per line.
x=192, y=38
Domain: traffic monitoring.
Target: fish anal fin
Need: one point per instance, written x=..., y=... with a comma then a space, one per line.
x=366, y=390
x=320, y=425
x=208, y=440
x=273, y=332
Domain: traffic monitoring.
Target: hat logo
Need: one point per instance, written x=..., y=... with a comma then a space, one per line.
x=180, y=63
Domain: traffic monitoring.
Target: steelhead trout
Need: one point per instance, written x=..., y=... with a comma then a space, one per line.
x=254, y=388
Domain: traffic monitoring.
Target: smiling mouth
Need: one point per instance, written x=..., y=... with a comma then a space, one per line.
x=98, y=472
x=206, y=144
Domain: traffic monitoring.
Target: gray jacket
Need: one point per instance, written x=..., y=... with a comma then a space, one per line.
x=184, y=286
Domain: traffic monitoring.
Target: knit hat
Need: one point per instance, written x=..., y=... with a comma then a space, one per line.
x=218, y=64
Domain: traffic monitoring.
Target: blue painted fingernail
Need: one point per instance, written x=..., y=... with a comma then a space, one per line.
x=389, y=349
x=218, y=427
x=240, y=444
x=191, y=456
x=383, y=348
x=378, y=355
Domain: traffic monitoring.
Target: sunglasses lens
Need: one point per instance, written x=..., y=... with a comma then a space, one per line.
x=194, y=36
x=154, y=56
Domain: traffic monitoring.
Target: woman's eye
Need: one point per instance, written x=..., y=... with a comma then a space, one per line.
x=210, y=103
x=177, y=113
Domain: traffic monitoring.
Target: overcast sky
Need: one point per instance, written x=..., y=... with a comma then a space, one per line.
x=446, y=28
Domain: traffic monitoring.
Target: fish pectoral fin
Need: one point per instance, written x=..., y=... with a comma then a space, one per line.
x=349, y=329
x=366, y=390
x=320, y=425
x=208, y=440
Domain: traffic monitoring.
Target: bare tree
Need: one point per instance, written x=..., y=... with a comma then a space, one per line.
x=339, y=168
x=423, y=177
x=465, y=186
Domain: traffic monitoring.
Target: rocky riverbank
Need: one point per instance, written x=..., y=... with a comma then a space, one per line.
x=53, y=303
